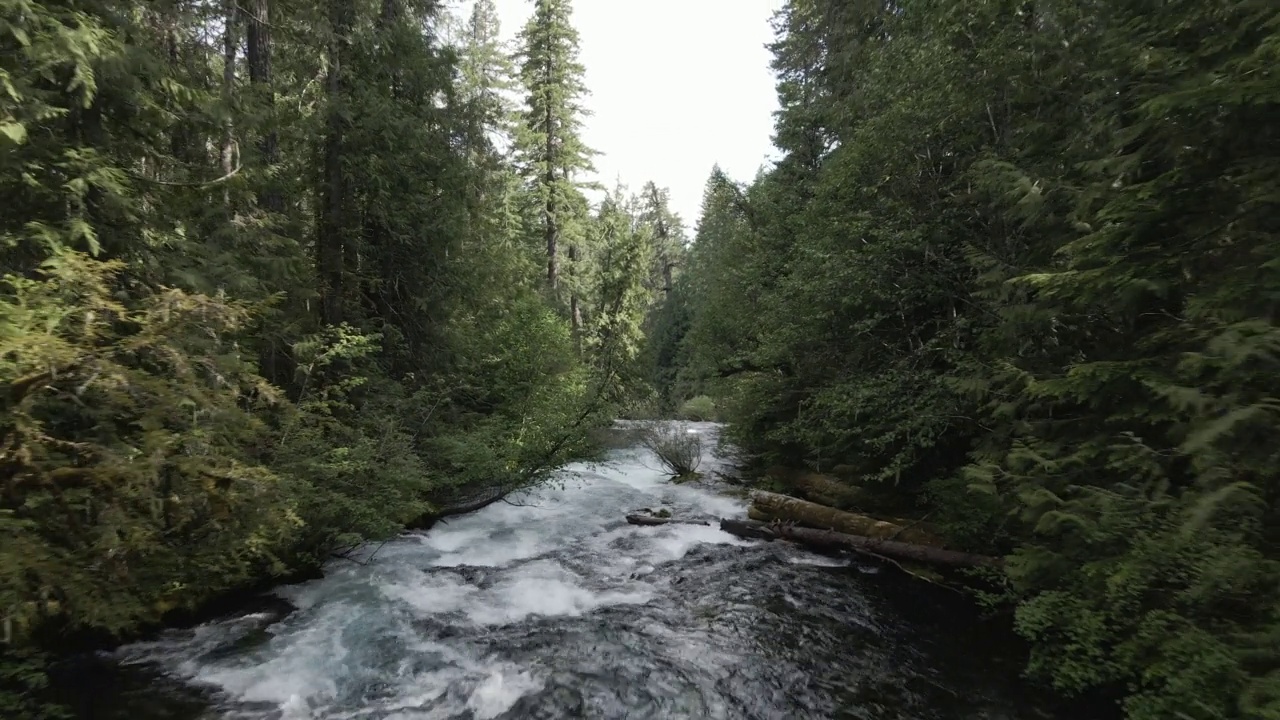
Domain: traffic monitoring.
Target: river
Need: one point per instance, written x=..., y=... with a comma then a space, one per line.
x=551, y=606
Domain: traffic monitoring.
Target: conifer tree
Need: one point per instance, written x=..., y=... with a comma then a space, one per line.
x=552, y=153
x=229, y=293
x=667, y=230
x=486, y=76
x=621, y=296
x=1008, y=273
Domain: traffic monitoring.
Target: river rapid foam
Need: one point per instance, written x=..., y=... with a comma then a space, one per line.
x=551, y=606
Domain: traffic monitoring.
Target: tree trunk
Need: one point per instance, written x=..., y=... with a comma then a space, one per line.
x=816, y=487
x=551, y=227
x=182, y=143
x=782, y=507
x=829, y=540
x=258, y=57
x=460, y=505
x=330, y=240
x=230, y=42
x=648, y=520
x=575, y=309
x=664, y=249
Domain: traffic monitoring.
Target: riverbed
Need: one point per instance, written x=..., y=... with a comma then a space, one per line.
x=550, y=606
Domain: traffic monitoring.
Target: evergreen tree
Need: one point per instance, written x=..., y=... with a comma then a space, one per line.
x=668, y=317
x=552, y=153
x=624, y=246
x=486, y=77
x=667, y=230
x=248, y=319
x=1008, y=273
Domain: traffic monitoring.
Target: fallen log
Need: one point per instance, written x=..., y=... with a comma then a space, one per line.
x=649, y=520
x=816, y=487
x=772, y=506
x=749, y=529
x=830, y=540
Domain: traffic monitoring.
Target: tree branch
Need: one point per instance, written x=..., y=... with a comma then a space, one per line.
x=206, y=183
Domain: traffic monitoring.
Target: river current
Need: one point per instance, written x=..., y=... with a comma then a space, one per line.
x=551, y=606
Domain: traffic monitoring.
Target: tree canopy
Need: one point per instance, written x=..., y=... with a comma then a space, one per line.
x=280, y=277
x=1017, y=270
x=271, y=286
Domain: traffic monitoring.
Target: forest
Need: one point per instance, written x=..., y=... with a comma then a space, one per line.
x=280, y=277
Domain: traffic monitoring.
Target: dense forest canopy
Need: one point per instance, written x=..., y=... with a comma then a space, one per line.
x=275, y=283
x=284, y=276
x=1018, y=270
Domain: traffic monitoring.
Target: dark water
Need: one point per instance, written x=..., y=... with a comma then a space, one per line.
x=556, y=608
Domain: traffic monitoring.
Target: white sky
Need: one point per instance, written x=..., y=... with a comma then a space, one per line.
x=676, y=86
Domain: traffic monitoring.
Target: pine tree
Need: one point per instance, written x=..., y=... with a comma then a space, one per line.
x=620, y=296
x=668, y=236
x=486, y=76
x=552, y=153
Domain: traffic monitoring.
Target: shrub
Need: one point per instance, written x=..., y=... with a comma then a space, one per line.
x=679, y=450
x=699, y=409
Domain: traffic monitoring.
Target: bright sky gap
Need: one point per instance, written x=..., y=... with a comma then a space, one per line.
x=668, y=116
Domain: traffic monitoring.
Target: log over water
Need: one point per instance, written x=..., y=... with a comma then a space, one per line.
x=647, y=520
x=816, y=487
x=772, y=506
x=830, y=540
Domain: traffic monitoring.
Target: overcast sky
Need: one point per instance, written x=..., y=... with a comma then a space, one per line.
x=676, y=86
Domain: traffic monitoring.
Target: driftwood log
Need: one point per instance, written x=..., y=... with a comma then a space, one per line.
x=830, y=540
x=768, y=506
x=646, y=520
x=816, y=487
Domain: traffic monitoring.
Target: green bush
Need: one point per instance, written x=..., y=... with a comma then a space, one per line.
x=680, y=452
x=699, y=409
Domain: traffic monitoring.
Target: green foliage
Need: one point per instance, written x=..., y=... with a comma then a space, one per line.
x=135, y=479
x=1015, y=268
x=624, y=250
x=548, y=139
x=248, y=319
x=24, y=682
x=700, y=408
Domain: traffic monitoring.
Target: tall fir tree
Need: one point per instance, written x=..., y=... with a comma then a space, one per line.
x=553, y=155
x=486, y=77
x=668, y=236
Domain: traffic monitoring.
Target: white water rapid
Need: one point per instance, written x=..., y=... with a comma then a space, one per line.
x=551, y=606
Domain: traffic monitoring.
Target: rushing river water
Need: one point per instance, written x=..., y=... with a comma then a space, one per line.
x=551, y=606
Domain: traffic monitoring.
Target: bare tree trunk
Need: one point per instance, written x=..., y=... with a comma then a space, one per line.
x=782, y=507
x=258, y=54
x=230, y=42
x=551, y=227
x=330, y=239
x=575, y=310
x=182, y=145
x=575, y=306
x=652, y=520
x=663, y=237
x=827, y=539
x=274, y=358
